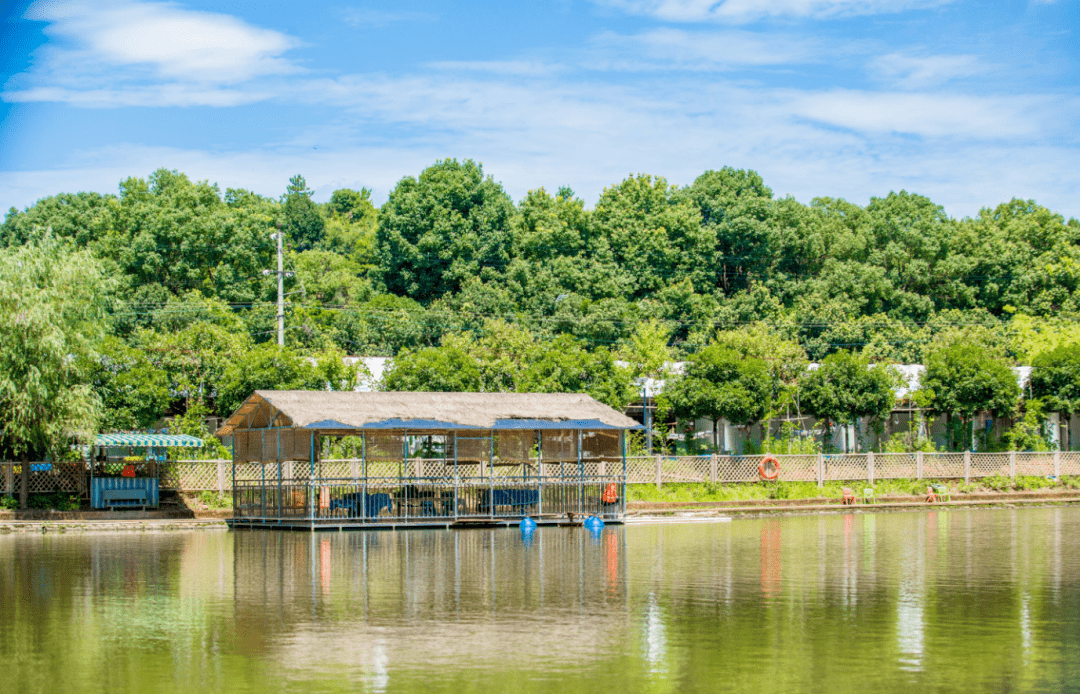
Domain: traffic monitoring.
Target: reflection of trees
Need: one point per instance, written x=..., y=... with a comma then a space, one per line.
x=880, y=601
x=958, y=600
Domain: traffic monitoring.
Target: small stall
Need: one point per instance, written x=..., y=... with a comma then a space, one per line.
x=126, y=468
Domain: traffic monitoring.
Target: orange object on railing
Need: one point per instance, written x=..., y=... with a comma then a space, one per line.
x=769, y=468
x=324, y=497
x=611, y=493
x=128, y=471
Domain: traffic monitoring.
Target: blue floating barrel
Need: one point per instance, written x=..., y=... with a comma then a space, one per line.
x=594, y=521
x=527, y=524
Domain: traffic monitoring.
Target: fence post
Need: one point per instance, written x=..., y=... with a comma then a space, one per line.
x=918, y=464
x=221, y=477
x=712, y=468
x=870, y=467
x=820, y=470
x=967, y=467
x=658, y=482
x=1012, y=464
x=1057, y=464
x=9, y=479
x=354, y=470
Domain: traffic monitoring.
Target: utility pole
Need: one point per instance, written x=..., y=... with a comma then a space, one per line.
x=280, y=290
x=648, y=424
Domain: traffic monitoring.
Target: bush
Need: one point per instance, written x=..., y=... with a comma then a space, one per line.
x=215, y=501
x=58, y=501
x=8, y=503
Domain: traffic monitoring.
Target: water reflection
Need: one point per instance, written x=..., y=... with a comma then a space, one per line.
x=959, y=600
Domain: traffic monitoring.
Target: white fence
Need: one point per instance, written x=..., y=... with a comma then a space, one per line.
x=216, y=475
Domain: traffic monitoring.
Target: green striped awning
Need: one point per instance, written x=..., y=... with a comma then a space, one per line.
x=176, y=440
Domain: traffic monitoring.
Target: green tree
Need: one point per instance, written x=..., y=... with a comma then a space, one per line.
x=565, y=366
x=51, y=315
x=720, y=383
x=964, y=379
x=446, y=226
x=446, y=369
x=1055, y=380
x=653, y=235
x=303, y=222
x=845, y=388
x=270, y=367
x=134, y=392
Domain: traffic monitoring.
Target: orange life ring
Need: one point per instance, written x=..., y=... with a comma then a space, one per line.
x=611, y=494
x=765, y=475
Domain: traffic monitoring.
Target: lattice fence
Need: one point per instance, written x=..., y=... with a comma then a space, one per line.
x=641, y=469
x=1070, y=463
x=1040, y=464
x=989, y=464
x=795, y=468
x=943, y=465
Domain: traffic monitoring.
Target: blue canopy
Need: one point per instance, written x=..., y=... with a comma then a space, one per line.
x=153, y=440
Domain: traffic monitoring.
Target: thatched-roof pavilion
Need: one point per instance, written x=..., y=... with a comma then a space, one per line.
x=318, y=459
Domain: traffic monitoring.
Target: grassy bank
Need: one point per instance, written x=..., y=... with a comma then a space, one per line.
x=699, y=492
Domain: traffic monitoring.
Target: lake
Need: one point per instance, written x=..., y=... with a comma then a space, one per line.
x=958, y=601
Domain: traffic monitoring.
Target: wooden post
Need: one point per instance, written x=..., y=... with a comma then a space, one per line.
x=870, y=467
x=712, y=469
x=24, y=490
x=658, y=481
x=221, y=477
x=967, y=467
x=820, y=470
x=1012, y=464
x=9, y=479
x=918, y=464
x=1057, y=464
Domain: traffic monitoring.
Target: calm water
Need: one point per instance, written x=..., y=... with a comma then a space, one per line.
x=957, y=601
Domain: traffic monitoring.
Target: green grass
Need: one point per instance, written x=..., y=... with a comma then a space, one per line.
x=750, y=491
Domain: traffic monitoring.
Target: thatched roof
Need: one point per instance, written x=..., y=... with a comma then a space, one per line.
x=327, y=410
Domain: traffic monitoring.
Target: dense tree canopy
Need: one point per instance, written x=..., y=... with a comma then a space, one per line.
x=543, y=293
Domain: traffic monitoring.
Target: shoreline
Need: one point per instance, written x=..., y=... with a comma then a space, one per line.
x=638, y=513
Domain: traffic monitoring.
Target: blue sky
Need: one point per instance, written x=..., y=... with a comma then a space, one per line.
x=969, y=103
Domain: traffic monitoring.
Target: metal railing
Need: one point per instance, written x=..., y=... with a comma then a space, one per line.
x=394, y=500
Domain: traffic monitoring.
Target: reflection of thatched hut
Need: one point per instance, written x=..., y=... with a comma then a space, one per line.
x=318, y=458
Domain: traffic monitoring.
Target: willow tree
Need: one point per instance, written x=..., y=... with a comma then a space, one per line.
x=51, y=316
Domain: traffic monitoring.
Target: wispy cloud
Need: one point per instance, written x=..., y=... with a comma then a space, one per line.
x=907, y=71
x=937, y=115
x=963, y=153
x=668, y=48
x=147, y=53
x=368, y=17
x=739, y=11
x=500, y=67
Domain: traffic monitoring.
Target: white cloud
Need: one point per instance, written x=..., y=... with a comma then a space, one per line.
x=937, y=115
x=703, y=50
x=750, y=10
x=143, y=53
x=919, y=72
x=367, y=17
x=964, y=153
x=500, y=67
